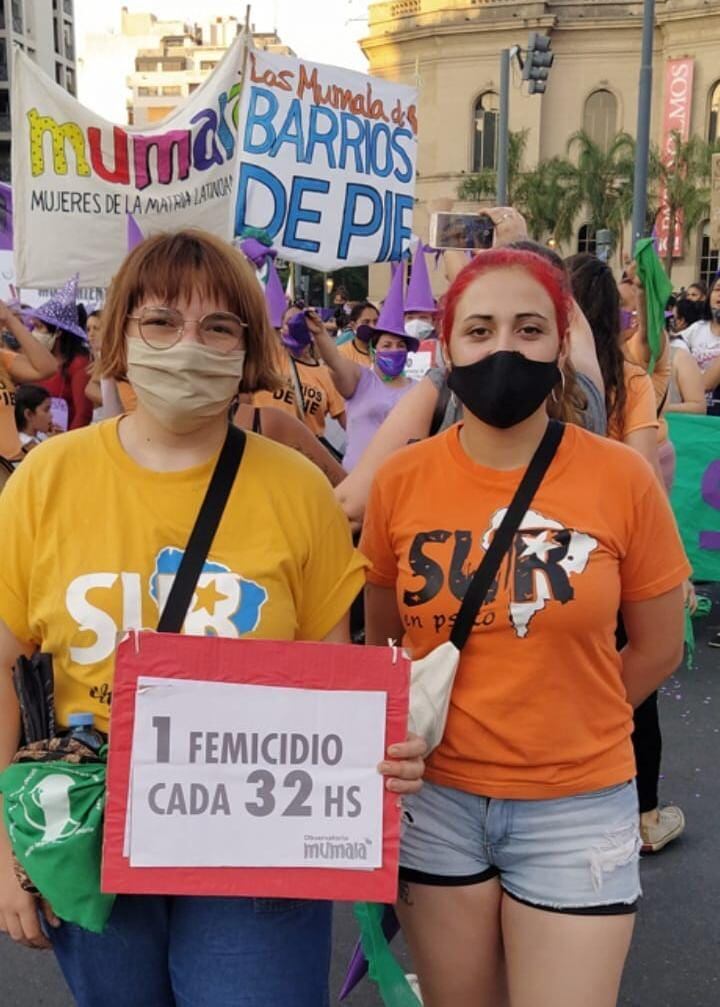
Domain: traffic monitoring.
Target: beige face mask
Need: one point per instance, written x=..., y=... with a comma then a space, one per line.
x=47, y=339
x=185, y=386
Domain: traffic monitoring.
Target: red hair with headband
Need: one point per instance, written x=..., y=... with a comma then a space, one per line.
x=555, y=283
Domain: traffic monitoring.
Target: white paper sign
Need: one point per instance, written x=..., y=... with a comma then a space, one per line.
x=418, y=364
x=231, y=775
x=327, y=162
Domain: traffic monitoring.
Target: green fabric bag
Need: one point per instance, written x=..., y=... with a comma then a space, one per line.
x=658, y=288
x=53, y=813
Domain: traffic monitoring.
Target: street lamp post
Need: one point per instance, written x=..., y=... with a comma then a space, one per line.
x=642, y=148
x=504, y=132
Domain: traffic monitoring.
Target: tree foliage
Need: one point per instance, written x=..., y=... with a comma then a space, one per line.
x=594, y=184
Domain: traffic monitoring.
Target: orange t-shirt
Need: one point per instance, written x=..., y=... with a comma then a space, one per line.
x=10, y=446
x=321, y=397
x=351, y=352
x=127, y=396
x=538, y=709
x=660, y=377
x=640, y=404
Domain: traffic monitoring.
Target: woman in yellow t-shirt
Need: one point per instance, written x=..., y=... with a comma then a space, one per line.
x=88, y=524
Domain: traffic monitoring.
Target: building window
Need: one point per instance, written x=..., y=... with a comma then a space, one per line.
x=148, y=92
x=208, y=64
x=586, y=240
x=68, y=7
x=17, y=16
x=600, y=118
x=2, y=15
x=59, y=74
x=4, y=111
x=485, y=133
x=56, y=36
x=709, y=257
x=714, y=127
x=4, y=160
x=70, y=80
x=68, y=39
x=192, y=87
x=173, y=91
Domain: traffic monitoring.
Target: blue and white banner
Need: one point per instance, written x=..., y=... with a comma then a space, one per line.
x=326, y=162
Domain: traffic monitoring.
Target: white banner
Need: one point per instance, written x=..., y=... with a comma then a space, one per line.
x=229, y=775
x=327, y=162
x=76, y=176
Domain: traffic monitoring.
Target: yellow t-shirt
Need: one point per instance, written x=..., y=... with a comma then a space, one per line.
x=10, y=446
x=91, y=542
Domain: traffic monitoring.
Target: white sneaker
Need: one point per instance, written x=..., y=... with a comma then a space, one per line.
x=671, y=824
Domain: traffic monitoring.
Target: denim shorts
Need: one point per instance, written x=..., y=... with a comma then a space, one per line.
x=573, y=854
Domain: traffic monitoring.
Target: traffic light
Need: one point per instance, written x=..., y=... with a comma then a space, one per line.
x=537, y=63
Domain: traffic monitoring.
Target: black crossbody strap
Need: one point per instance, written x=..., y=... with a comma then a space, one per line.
x=201, y=538
x=503, y=538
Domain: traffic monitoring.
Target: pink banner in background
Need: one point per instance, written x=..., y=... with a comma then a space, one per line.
x=677, y=109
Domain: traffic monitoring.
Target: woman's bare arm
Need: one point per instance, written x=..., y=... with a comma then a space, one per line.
x=655, y=631
x=409, y=420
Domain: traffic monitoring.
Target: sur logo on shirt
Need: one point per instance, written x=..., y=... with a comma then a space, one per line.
x=224, y=604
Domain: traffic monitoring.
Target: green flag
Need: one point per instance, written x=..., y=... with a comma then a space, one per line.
x=53, y=813
x=657, y=287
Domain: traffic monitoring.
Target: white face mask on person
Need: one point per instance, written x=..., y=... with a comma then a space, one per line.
x=419, y=328
x=45, y=338
x=185, y=386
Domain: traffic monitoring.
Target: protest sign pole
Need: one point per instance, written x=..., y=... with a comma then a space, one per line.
x=642, y=150
x=504, y=131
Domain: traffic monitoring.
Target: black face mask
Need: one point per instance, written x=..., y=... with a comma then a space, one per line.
x=504, y=388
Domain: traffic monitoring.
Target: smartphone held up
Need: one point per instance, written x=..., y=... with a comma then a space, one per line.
x=462, y=231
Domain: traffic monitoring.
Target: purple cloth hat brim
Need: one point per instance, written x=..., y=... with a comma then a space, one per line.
x=52, y=321
x=375, y=331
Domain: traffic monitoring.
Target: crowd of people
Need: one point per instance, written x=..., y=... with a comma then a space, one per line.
x=519, y=864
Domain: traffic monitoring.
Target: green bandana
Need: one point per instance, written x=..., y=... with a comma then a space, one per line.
x=383, y=967
x=53, y=813
x=657, y=288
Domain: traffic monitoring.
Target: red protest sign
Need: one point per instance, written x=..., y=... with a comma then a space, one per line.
x=247, y=767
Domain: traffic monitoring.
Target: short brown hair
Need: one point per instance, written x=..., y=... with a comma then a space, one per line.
x=171, y=266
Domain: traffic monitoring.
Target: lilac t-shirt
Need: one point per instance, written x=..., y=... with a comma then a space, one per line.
x=366, y=411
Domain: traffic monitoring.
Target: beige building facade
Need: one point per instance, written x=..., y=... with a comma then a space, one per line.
x=451, y=48
x=166, y=74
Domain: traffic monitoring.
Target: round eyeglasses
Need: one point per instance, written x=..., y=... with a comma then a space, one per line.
x=161, y=328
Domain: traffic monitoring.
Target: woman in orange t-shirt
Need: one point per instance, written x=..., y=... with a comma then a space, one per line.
x=524, y=841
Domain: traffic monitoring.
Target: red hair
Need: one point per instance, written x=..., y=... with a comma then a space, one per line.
x=547, y=275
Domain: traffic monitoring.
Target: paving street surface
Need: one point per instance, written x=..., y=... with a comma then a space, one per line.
x=675, y=959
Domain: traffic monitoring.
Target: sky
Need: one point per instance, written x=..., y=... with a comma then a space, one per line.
x=320, y=30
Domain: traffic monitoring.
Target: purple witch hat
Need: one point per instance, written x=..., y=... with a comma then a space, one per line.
x=134, y=234
x=419, y=293
x=61, y=310
x=392, y=316
x=275, y=296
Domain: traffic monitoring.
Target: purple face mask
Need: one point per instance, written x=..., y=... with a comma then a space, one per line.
x=298, y=335
x=391, y=363
x=627, y=318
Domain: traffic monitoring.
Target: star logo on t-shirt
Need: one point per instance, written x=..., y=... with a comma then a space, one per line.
x=225, y=603
x=206, y=598
x=538, y=545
